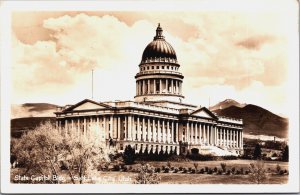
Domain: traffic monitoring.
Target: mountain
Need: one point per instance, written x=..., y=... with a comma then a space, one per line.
x=257, y=120
x=227, y=103
x=33, y=110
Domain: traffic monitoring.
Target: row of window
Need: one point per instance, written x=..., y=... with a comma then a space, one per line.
x=159, y=67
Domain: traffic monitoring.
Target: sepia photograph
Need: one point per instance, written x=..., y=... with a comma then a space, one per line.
x=188, y=95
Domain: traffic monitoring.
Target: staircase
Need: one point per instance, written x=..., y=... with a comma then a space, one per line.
x=216, y=151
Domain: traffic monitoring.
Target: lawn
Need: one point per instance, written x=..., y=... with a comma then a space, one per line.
x=120, y=177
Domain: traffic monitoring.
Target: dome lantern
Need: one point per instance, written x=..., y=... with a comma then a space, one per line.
x=159, y=31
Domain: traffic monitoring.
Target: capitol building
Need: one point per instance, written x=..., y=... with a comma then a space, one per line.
x=158, y=118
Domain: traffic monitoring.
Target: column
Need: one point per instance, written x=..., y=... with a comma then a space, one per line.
x=168, y=131
x=172, y=86
x=231, y=137
x=154, y=86
x=196, y=133
x=204, y=133
x=144, y=129
x=200, y=133
x=234, y=139
x=167, y=86
x=153, y=131
x=158, y=131
x=160, y=86
x=111, y=126
x=119, y=128
x=84, y=127
x=172, y=132
x=129, y=127
x=144, y=87
x=216, y=135
x=148, y=86
x=187, y=135
x=242, y=141
x=138, y=129
x=163, y=132
x=177, y=132
x=239, y=140
x=78, y=127
x=125, y=128
x=133, y=129
x=148, y=131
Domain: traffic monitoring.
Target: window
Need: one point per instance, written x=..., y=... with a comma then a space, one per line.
x=167, y=67
x=157, y=67
x=121, y=146
x=152, y=67
x=171, y=67
x=162, y=67
x=147, y=67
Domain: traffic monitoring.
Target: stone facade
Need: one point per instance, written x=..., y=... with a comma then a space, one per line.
x=157, y=119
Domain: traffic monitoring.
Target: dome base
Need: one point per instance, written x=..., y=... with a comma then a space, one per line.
x=157, y=97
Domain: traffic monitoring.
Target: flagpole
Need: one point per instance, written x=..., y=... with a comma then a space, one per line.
x=92, y=84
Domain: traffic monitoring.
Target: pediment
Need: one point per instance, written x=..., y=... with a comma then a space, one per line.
x=203, y=112
x=87, y=105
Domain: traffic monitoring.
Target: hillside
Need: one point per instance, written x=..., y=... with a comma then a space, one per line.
x=33, y=110
x=19, y=125
x=227, y=103
x=257, y=120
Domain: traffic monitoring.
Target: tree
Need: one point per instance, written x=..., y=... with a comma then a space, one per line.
x=258, y=173
x=146, y=175
x=38, y=151
x=44, y=150
x=257, y=152
x=285, y=154
x=129, y=155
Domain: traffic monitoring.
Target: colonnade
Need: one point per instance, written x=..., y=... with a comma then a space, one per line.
x=140, y=128
x=158, y=86
x=229, y=137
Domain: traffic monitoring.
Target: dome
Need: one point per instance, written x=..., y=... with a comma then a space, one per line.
x=159, y=49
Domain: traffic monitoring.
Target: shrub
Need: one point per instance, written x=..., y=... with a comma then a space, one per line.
x=175, y=170
x=129, y=155
x=215, y=169
x=184, y=170
x=242, y=170
x=195, y=151
x=228, y=172
x=158, y=169
x=167, y=169
x=233, y=170
x=190, y=169
x=219, y=172
x=257, y=152
x=246, y=172
x=285, y=154
x=278, y=168
x=193, y=171
x=125, y=169
x=196, y=166
x=223, y=166
x=237, y=172
x=116, y=168
x=201, y=171
x=281, y=172
x=180, y=168
x=206, y=169
x=130, y=168
x=163, y=167
x=210, y=171
x=257, y=172
x=146, y=175
x=168, y=164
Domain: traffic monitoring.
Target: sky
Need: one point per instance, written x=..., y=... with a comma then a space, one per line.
x=236, y=55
